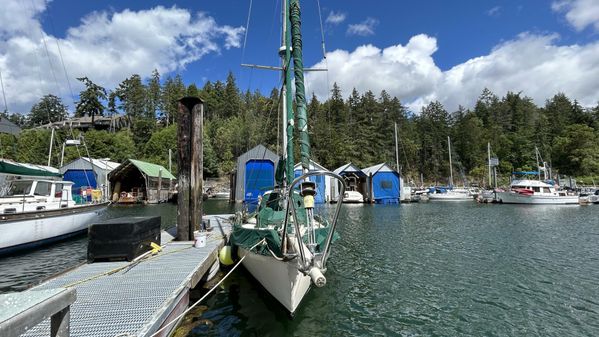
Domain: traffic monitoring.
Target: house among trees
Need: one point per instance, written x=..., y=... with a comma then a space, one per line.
x=136, y=181
x=111, y=123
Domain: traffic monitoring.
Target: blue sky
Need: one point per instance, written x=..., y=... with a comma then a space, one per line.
x=418, y=51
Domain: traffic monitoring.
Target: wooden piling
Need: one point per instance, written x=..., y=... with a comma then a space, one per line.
x=190, y=153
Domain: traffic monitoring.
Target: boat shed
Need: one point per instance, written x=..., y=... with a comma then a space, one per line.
x=355, y=179
x=87, y=172
x=383, y=184
x=255, y=174
x=323, y=183
x=9, y=127
x=136, y=181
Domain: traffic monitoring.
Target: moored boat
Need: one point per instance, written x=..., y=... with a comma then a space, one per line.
x=527, y=191
x=285, y=244
x=35, y=212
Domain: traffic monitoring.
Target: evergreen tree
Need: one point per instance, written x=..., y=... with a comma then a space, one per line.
x=90, y=100
x=49, y=109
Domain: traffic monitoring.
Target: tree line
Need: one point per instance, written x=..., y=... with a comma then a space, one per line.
x=358, y=129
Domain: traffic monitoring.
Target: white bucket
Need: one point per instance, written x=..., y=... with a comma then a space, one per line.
x=200, y=239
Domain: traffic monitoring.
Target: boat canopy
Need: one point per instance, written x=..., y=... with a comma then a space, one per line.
x=525, y=172
x=22, y=169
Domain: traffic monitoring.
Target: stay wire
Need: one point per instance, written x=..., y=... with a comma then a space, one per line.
x=3, y=92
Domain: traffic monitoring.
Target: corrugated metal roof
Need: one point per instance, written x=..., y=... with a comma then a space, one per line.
x=152, y=170
x=7, y=126
x=83, y=163
x=376, y=168
x=313, y=166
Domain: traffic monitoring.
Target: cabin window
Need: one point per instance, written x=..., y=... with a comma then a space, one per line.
x=546, y=190
x=42, y=188
x=536, y=189
x=19, y=188
x=58, y=191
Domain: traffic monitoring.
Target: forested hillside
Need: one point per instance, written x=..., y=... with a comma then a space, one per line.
x=358, y=129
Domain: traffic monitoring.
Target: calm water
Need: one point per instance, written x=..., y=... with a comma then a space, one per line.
x=431, y=269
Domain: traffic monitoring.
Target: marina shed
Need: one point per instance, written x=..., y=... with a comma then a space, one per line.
x=355, y=179
x=323, y=183
x=9, y=127
x=255, y=174
x=384, y=184
x=136, y=181
x=88, y=172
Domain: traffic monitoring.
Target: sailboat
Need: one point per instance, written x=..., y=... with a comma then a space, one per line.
x=284, y=244
x=449, y=193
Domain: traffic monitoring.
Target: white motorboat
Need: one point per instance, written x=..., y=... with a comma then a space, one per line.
x=527, y=191
x=353, y=197
x=34, y=212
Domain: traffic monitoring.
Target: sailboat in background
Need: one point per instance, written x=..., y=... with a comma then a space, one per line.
x=449, y=193
x=284, y=244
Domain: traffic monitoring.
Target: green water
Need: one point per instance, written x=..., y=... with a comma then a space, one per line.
x=429, y=269
x=437, y=269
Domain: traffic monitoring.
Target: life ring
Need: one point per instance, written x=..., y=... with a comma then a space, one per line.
x=123, y=194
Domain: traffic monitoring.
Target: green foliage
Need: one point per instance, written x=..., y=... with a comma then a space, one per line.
x=90, y=100
x=358, y=129
x=49, y=109
x=33, y=146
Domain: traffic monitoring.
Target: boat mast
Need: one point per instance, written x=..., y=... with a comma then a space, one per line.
x=489, y=162
x=300, y=94
x=288, y=116
x=538, y=167
x=51, y=142
x=450, y=168
x=397, y=152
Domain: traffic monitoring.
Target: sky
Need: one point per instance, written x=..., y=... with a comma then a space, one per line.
x=418, y=51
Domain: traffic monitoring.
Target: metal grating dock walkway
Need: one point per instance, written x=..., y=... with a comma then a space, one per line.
x=136, y=300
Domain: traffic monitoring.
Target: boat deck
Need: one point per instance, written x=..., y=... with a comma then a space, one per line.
x=128, y=299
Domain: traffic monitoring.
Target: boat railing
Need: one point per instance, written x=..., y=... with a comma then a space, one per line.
x=325, y=251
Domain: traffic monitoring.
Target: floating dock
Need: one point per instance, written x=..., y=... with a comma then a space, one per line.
x=137, y=298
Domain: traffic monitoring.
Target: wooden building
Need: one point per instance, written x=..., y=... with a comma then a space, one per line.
x=136, y=181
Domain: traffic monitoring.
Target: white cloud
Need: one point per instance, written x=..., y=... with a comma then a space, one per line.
x=579, y=13
x=495, y=11
x=335, y=18
x=533, y=64
x=364, y=28
x=106, y=47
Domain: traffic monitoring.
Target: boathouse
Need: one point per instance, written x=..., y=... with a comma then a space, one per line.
x=89, y=173
x=383, y=184
x=9, y=127
x=255, y=174
x=323, y=183
x=354, y=178
x=136, y=181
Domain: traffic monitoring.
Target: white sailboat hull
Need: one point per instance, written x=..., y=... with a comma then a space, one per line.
x=516, y=198
x=23, y=230
x=449, y=196
x=282, y=279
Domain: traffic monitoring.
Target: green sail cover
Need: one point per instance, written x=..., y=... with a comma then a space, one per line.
x=21, y=169
x=300, y=91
